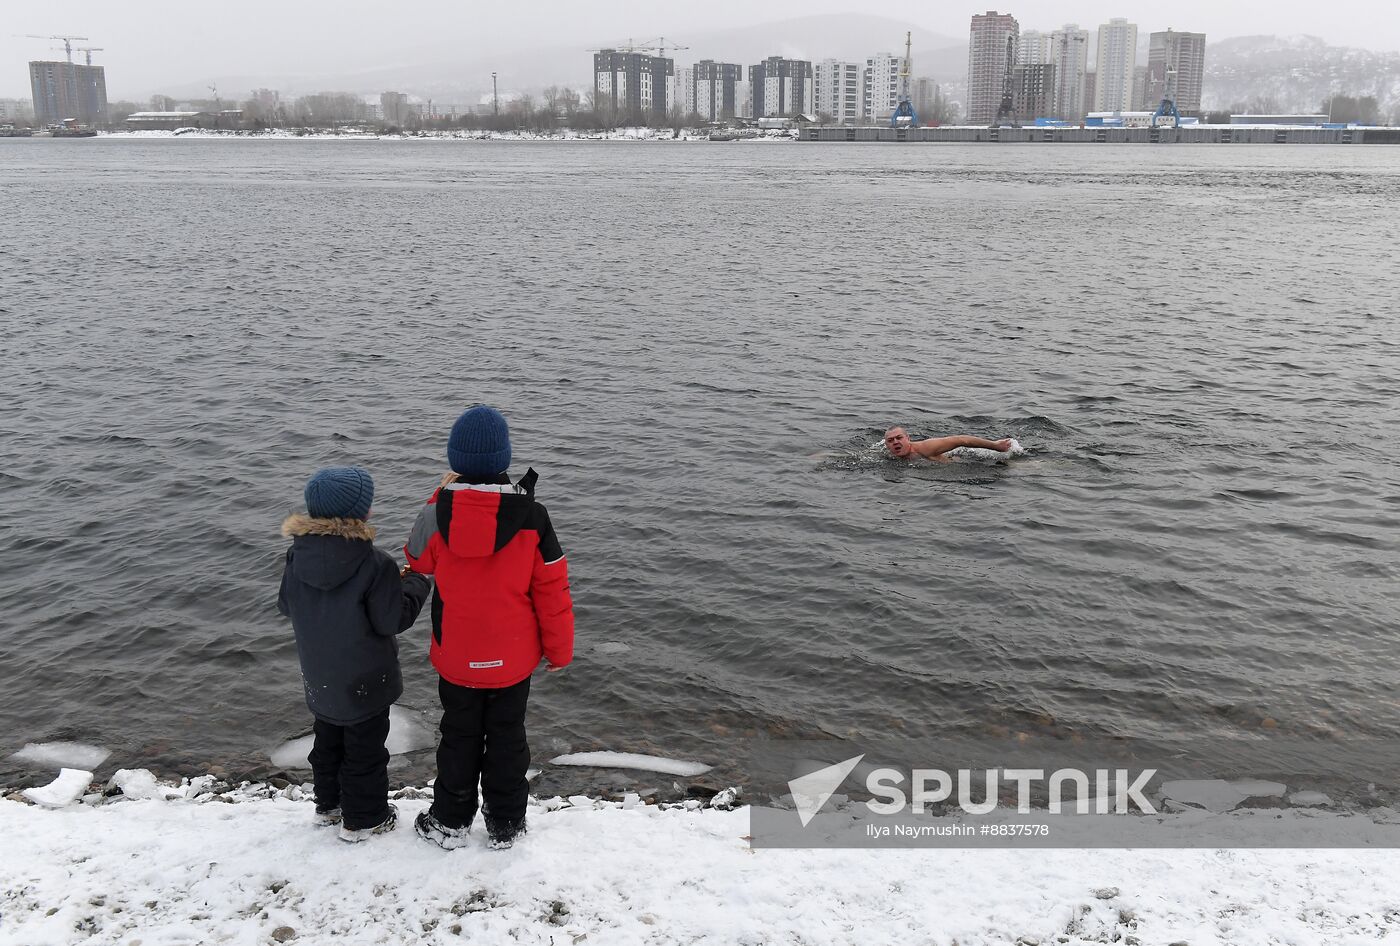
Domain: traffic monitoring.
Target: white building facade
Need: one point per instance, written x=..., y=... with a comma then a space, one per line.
x=839, y=90
x=880, y=86
x=1036, y=49
x=1116, y=61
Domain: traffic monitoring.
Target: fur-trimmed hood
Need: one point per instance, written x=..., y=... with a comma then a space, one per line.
x=300, y=523
x=326, y=553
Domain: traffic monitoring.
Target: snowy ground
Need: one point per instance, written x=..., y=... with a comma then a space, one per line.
x=243, y=869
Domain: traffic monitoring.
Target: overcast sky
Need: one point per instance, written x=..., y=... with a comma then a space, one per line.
x=150, y=43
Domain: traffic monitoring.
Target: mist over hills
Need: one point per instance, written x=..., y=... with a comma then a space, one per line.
x=1297, y=73
x=1265, y=73
x=465, y=76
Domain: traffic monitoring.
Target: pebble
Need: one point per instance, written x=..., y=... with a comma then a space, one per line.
x=284, y=933
x=1106, y=893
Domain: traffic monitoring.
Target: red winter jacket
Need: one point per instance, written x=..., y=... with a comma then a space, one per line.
x=501, y=599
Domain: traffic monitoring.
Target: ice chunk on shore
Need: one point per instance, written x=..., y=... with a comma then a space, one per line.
x=633, y=760
x=70, y=785
x=140, y=783
x=1310, y=799
x=1259, y=788
x=1212, y=794
x=407, y=733
x=74, y=755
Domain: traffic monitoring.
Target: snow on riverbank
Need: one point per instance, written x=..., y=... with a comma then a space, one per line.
x=256, y=871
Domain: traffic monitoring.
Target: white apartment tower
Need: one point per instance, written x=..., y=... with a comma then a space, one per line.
x=1037, y=48
x=839, y=90
x=1069, y=48
x=1117, y=58
x=880, y=86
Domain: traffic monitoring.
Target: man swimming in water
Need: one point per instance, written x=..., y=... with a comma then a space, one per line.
x=899, y=445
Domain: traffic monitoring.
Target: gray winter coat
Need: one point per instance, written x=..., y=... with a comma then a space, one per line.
x=347, y=602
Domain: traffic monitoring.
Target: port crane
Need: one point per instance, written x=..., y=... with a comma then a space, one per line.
x=904, y=116
x=1006, y=114
x=1167, y=115
x=67, y=41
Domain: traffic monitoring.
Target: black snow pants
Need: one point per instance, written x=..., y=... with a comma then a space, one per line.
x=483, y=740
x=350, y=768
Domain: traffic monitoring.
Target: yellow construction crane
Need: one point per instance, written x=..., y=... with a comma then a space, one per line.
x=67, y=41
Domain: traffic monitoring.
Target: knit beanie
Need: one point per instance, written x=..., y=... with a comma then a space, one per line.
x=340, y=492
x=479, y=445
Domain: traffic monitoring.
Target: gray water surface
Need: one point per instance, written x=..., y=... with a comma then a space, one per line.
x=697, y=345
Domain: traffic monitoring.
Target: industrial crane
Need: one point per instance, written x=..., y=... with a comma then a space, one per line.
x=659, y=44
x=88, y=51
x=904, y=116
x=1168, y=110
x=67, y=41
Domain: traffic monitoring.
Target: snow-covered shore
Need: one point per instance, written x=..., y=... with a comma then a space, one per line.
x=248, y=867
x=282, y=134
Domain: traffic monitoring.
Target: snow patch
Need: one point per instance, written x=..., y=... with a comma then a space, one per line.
x=633, y=760
x=73, y=755
x=70, y=785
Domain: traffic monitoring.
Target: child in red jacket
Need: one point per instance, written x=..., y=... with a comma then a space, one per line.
x=501, y=603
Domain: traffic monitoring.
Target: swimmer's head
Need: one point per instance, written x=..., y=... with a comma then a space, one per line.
x=897, y=442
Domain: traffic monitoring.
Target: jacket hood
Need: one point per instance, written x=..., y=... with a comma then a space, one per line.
x=479, y=519
x=326, y=553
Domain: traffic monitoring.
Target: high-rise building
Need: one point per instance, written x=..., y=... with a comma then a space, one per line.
x=1176, y=67
x=782, y=87
x=927, y=100
x=880, y=86
x=64, y=90
x=715, y=89
x=1091, y=89
x=838, y=90
x=1117, y=57
x=743, y=99
x=393, y=108
x=991, y=55
x=632, y=85
x=1033, y=90
x=1139, y=96
x=15, y=111
x=1070, y=54
x=682, y=91
x=1035, y=47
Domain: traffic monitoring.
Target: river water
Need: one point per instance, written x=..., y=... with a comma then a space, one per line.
x=696, y=345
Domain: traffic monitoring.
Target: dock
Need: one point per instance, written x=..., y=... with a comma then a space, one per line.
x=1189, y=134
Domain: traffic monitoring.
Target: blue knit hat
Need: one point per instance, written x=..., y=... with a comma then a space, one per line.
x=480, y=443
x=340, y=492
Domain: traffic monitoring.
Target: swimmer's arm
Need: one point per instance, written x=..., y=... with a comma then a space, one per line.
x=941, y=445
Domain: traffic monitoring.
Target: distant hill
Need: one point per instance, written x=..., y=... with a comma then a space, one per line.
x=466, y=77
x=1272, y=73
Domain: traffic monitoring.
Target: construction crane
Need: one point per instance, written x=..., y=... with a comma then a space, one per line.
x=87, y=51
x=904, y=116
x=659, y=44
x=67, y=41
